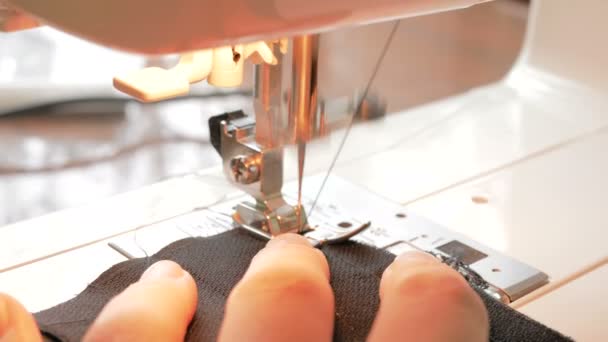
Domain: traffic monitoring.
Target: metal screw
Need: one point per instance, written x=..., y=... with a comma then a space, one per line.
x=245, y=170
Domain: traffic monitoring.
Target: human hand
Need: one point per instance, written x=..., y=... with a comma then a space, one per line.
x=14, y=20
x=421, y=300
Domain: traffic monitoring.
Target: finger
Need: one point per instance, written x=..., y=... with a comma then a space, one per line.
x=425, y=300
x=15, y=20
x=158, y=307
x=19, y=22
x=16, y=323
x=284, y=296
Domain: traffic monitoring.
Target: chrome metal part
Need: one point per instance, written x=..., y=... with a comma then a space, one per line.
x=259, y=172
x=472, y=277
x=303, y=99
x=271, y=122
x=279, y=123
x=245, y=170
x=393, y=228
x=340, y=237
x=252, y=148
x=273, y=216
x=396, y=230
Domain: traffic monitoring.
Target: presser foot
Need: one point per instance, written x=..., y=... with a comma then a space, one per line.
x=274, y=217
x=287, y=219
x=316, y=243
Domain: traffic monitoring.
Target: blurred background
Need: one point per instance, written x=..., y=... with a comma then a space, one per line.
x=67, y=138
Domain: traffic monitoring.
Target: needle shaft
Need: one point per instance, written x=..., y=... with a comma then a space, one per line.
x=301, y=159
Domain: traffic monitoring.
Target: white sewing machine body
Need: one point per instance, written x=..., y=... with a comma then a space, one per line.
x=186, y=25
x=518, y=166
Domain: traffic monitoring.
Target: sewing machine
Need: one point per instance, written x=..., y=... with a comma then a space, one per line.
x=508, y=176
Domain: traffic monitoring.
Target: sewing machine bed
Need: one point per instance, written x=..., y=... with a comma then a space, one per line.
x=502, y=169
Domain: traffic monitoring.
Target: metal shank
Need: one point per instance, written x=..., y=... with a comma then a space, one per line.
x=303, y=102
x=259, y=172
x=252, y=149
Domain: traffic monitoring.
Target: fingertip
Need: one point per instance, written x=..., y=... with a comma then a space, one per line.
x=295, y=251
x=16, y=323
x=3, y=314
x=404, y=264
x=416, y=257
x=289, y=238
x=164, y=269
x=417, y=290
x=159, y=307
x=415, y=271
x=287, y=280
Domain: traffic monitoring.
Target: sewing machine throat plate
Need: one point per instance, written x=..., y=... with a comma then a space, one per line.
x=343, y=206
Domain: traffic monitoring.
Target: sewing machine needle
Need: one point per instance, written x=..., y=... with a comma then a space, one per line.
x=301, y=158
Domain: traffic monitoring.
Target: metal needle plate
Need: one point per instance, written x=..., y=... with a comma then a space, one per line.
x=344, y=207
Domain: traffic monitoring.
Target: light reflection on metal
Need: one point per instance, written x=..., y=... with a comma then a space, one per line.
x=252, y=146
x=303, y=106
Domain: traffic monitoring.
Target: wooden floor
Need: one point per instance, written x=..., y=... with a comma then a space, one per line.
x=431, y=57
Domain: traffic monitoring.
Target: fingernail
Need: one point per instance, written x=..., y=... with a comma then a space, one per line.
x=162, y=270
x=288, y=239
x=415, y=256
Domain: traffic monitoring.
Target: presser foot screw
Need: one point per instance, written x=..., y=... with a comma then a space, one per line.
x=245, y=170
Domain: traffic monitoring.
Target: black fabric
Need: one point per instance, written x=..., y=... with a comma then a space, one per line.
x=218, y=262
